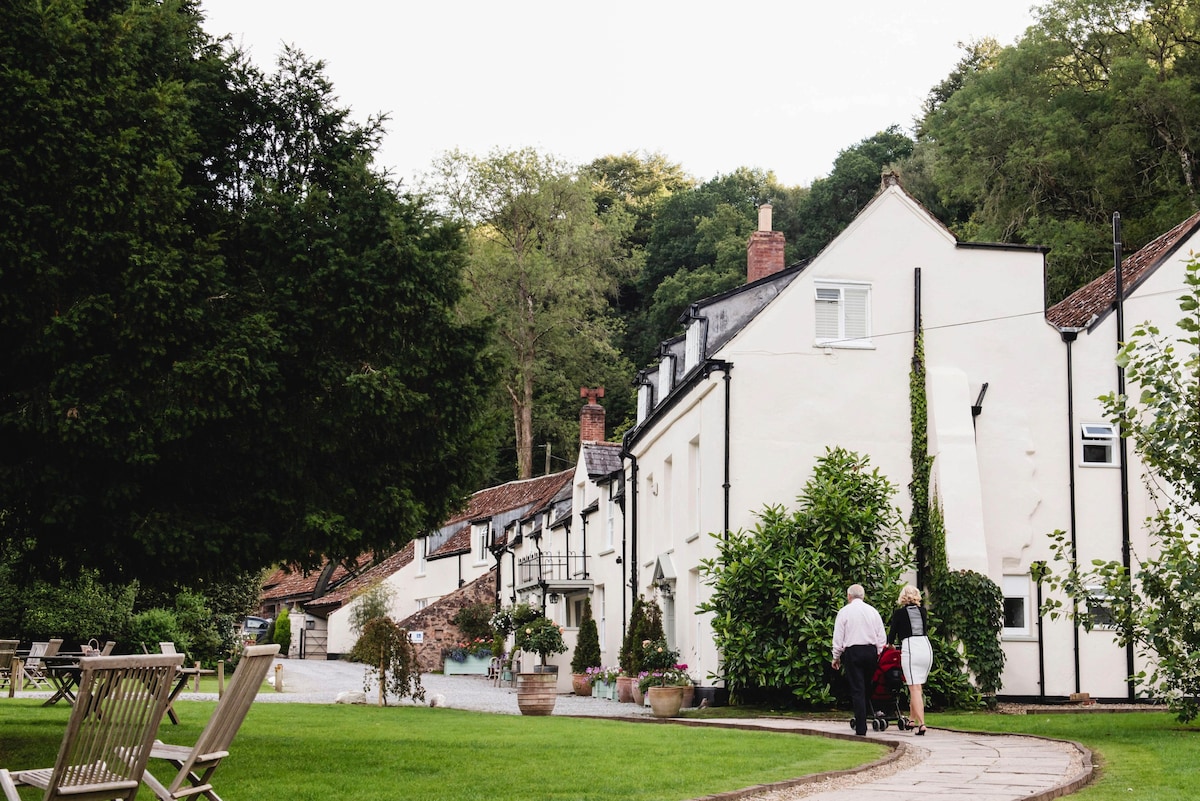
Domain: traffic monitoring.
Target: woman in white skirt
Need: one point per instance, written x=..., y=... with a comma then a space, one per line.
x=910, y=628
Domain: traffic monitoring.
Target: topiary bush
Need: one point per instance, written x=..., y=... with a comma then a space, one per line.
x=283, y=632
x=587, y=645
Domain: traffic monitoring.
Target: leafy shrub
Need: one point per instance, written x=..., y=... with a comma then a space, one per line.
x=474, y=621
x=777, y=588
x=283, y=631
x=157, y=625
x=587, y=645
x=542, y=637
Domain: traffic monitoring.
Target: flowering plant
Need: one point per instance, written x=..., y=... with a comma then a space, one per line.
x=675, y=676
x=603, y=675
x=459, y=652
x=657, y=655
x=541, y=636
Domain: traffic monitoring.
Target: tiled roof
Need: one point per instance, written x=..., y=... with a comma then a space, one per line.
x=366, y=578
x=601, y=458
x=491, y=501
x=1096, y=298
x=288, y=583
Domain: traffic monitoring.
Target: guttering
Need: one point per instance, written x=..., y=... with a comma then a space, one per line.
x=1069, y=335
x=1125, y=549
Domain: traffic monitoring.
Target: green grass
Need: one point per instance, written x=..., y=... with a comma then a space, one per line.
x=1139, y=754
x=302, y=751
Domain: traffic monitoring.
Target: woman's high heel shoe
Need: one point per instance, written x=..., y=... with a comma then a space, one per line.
x=921, y=731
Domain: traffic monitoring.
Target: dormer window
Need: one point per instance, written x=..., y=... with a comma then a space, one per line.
x=645, y=401
x=666, y=376
x=692, y=346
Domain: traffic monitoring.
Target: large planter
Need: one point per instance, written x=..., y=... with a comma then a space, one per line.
x=689, y=696
x=471, y=666
x=581, y=683
x=536, y=693
x=625, y=689
x=665, y=701
x=637, y=693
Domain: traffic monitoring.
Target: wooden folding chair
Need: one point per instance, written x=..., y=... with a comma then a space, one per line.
x=112, y=726
x=34, y=671
x=196, y=764
x=8, y=652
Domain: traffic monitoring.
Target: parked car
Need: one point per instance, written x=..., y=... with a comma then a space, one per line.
x=255, y=628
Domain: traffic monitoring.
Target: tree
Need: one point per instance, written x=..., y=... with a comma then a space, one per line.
x=372, y=602
x=543, y=265
x=390, y=659
x=283, y=631
x=587, y=645
x=775, y=588
x=1151, y=601
x=228, y=341
x=1093, y=111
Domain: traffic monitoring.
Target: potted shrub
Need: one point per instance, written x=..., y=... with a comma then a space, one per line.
x=587, y=651
x=536, y=690
x=663, y=678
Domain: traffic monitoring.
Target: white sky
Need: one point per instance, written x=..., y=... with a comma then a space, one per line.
x=783, y=85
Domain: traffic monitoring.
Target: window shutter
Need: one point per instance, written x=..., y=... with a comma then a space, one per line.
x=828, y=324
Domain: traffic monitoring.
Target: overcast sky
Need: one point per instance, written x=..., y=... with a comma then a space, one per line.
x=779, y=84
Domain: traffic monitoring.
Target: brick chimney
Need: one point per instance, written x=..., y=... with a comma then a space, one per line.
x=591, y=416
x=764, y=251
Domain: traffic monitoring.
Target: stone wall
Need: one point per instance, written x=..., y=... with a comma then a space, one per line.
x=434, y=620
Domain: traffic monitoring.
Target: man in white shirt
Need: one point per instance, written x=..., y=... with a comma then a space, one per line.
x=858, y=637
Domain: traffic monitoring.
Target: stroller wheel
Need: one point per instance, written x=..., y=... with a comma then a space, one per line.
x=883, y=724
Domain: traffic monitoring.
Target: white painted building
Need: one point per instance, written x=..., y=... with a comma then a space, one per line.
x=769, y=375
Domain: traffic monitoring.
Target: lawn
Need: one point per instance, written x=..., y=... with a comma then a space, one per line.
x=1141, y=755
x=303, y=751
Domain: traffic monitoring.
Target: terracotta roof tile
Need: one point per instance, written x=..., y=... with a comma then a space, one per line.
x=490, y=501
x=1096, y=298
x=366, y=578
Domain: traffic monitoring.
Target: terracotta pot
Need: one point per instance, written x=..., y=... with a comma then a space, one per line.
x=689, y=696
x=536, y=693
x=581, y=684
x=625, y=689
x=665, y=701
x=637, y=693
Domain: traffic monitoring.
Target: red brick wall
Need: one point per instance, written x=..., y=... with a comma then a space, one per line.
x=764, y=254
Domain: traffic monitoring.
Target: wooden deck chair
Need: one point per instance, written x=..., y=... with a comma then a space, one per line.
x=34, y=670
x=196, y=764
x=8, y=652
x=167, y=648
x=108, y=648
x=120, y=703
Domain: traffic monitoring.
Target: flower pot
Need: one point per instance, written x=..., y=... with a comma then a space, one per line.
x=581, y=683
x=689, y=696
x=625, y=689
x=536, y=693
x=665, y=701
x=470, y=666
x=637, y=693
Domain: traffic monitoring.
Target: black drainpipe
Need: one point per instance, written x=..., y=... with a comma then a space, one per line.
x=1125, y=555
x=1068, y=336
x=629, y=518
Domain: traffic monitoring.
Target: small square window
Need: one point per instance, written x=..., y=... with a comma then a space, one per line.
x=1099, y=443
x=1099, y=609
x=843, y=315
x=1016, y=606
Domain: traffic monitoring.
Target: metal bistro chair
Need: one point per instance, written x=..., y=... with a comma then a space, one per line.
x=104, y=750
x=196, y=763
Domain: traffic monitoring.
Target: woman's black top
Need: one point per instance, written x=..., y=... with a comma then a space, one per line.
x=908, y=621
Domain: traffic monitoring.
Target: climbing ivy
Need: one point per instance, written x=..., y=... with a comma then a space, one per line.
x=965, y=608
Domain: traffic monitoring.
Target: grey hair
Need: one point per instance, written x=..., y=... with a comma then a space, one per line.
x=856, y=591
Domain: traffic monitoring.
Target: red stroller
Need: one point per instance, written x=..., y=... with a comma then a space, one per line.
x=887, y=687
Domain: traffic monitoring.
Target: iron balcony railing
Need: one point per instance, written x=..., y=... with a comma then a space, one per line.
x=552, y=568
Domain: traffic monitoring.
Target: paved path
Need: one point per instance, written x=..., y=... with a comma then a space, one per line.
x=941, y=766
x=947, y=765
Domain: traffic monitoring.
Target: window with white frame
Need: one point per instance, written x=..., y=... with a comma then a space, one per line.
x=610, y=517
x=666, y=376
x=843, y=315
x=1017, y=608
x=691, y=345
x=1098, y=443
x=645, y=401
x=1099, y=608
x=479, y=535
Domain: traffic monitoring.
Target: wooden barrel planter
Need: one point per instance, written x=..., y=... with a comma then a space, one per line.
x=536, y=693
